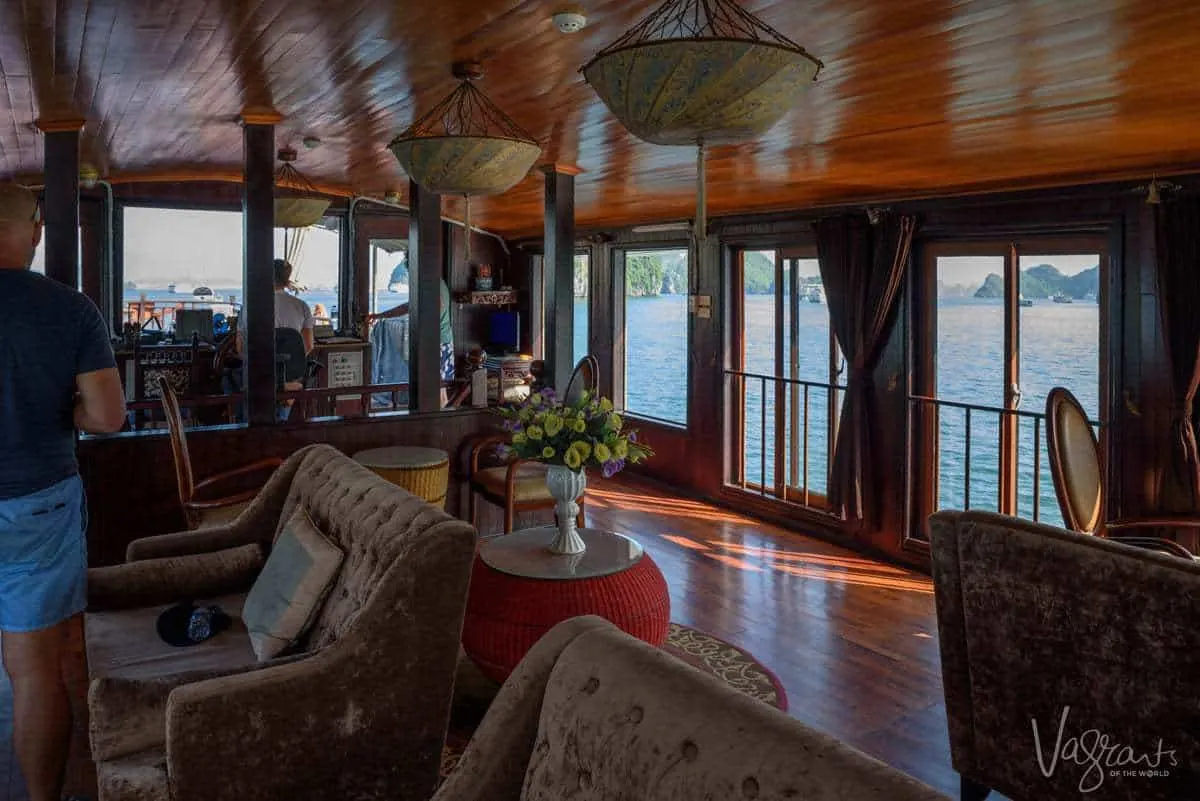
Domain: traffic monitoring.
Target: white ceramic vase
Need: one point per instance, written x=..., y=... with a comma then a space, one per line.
x=565, y=486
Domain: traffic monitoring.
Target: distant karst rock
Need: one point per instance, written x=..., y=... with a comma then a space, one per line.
x=993, y=287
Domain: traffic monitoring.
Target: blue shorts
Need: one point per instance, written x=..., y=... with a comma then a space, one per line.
x=43, y=557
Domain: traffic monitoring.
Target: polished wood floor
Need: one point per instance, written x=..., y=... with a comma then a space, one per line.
x=853, y=641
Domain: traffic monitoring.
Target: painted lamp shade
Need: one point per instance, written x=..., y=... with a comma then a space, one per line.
x=713, y=91
x=465, y=145
x=299, y=212
x=465, y=165
x=700, y=72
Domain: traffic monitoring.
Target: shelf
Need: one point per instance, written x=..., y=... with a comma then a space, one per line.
x=498, y=297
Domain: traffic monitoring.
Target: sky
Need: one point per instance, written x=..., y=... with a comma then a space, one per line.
x=204, y=248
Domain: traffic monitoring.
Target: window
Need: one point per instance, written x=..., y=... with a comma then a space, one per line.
x=656, y=334
x=181, y=258
x=784, y=386
x=316, y=260
x=1008, y=322
x=582, y=262
x=389, y=274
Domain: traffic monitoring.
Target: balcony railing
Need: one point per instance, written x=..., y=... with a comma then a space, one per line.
x=966, y=442
x=780, y=427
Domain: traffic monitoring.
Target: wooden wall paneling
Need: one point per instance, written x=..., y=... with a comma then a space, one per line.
x=558, y=275
x=258, y=242
x=121, y=509
x=471, y=321
x=425, y=280
x=533, y=325
x=61, y=204
x=706, y=378
x=601, y=314
x=94, y=273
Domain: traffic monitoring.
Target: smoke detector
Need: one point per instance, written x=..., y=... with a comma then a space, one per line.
x=570, y=20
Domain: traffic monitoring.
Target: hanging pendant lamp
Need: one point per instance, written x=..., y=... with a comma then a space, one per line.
x=466, y=145
x=700, y=71
x=297, y=202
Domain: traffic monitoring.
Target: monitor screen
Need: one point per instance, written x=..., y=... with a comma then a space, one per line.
x=197, y=320
x=504, y=331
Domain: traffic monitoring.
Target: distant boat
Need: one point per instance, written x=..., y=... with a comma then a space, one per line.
x=816, y=295
x=1061, y=298
x=202, y=292
x=171, y=288
x=1025, y=302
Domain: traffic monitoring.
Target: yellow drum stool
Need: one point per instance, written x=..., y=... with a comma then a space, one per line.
x=425, y=472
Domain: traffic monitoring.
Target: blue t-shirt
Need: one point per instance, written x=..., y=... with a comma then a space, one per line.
x=49, y=334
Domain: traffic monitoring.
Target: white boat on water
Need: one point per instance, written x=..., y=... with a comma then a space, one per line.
x=816, y=295
x=1062, y=298
x=202, y=292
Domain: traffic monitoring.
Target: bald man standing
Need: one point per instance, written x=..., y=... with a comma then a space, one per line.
x=57, y=374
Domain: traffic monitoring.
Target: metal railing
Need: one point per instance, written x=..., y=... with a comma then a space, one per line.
x=926, y=422
x=790, y=434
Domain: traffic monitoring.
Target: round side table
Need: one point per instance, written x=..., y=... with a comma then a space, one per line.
x=519, y=591
x=425, y=472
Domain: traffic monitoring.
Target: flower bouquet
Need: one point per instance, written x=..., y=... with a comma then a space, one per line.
x=571, y=437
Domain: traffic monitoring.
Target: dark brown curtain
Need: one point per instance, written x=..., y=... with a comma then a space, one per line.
x=1177, y=240
x=862, y=266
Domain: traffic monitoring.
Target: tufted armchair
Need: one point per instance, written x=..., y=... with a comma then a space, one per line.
x=359, y=712
x=594, y=713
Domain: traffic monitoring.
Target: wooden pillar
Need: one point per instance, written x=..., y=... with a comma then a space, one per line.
x=61, y=203
x=558, y=276
x=258, y=253
x=424, y=302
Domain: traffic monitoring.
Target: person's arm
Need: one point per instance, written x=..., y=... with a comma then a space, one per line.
x=99, y=399
x=100, y=402
x=307, y=335
x=306, y=327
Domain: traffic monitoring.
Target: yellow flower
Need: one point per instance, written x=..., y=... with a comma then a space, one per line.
x=620, y=449
x=547, y=452
x=553, y=424
x=580, y=426
x=571, y=457
x=605, y=405
x=603, y=454
x=518, y=438
x=582, y=448
x=534, y=433
x=615, y=421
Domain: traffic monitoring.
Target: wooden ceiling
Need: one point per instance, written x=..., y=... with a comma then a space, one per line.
x=918, y=98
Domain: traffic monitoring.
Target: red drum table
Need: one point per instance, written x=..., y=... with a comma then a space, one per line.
x=519, y=591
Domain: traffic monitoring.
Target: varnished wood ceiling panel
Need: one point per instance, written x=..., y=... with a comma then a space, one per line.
x=917, y=98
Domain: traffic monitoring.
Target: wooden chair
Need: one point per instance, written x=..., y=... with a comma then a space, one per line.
x=1075, y=467
x=520, y=485
x=218, y=498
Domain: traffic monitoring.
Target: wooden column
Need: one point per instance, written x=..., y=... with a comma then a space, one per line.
x=258, y=253
x=61, y=203
x=424, y=302
x=558, y=276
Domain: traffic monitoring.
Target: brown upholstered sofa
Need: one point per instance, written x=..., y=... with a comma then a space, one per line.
x=360, y=713
x=593, y=713
x=1095, y=639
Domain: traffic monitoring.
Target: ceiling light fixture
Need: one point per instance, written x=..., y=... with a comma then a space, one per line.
x=700, y=72
x=570, y=20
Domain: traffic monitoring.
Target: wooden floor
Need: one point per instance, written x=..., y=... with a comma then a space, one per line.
x=853, y=641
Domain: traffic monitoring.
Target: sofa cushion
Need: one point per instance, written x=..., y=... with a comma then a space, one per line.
x=289, y=591
x=529, y=483
x=142, y=777
x=133, y=671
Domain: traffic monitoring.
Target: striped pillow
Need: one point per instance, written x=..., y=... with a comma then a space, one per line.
x=291, y=588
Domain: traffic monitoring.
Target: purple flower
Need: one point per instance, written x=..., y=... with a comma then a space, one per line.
x=504, y=451
x=633, y=436
x=612, y=467
x=548, y=395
